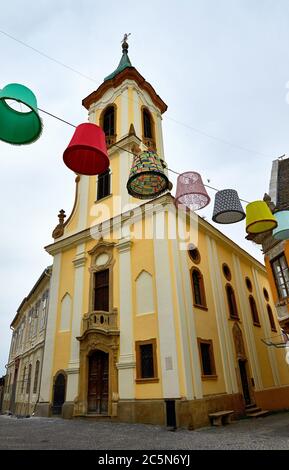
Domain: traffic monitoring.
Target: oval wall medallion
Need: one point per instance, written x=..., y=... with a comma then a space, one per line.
x=101, y=259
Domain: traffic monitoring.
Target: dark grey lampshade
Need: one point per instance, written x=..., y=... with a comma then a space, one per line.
x=228, y=208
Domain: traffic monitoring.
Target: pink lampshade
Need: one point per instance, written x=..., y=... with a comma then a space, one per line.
x=191, y=191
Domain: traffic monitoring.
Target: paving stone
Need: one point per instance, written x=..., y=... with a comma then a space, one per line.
x=270, y=432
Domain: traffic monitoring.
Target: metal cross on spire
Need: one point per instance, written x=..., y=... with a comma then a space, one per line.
x=126, y=35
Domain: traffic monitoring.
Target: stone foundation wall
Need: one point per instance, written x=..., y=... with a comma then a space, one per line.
x=190, y=414
x=273, y=398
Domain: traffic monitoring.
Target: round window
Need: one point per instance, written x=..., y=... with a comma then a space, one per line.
x=226, y=272
x=194, y=254
x=249, y=284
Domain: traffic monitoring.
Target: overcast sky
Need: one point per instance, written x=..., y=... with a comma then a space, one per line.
x=221, y=66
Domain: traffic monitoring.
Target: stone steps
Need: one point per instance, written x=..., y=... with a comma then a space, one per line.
x=259, y=414
x=253, y=411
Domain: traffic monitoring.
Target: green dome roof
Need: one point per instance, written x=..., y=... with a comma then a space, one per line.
x=124, y=62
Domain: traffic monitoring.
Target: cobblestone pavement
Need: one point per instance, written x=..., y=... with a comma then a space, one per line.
x=271, y=432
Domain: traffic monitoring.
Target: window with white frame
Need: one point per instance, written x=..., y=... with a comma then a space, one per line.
x=43, y=310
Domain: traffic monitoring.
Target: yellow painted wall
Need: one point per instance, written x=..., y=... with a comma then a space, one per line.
x=62, y=340
x=206, y=324
x=145, y=326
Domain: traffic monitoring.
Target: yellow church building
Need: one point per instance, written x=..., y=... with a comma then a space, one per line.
x=154, y=315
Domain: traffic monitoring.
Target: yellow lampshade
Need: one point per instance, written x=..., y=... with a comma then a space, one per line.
x=259, y=218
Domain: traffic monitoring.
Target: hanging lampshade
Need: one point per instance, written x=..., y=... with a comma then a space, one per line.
x=86, y=153
x=147, y=179
x=281, y=232
x=191, y=191
x=19, y=120
x=227, y=208
x=259, y=218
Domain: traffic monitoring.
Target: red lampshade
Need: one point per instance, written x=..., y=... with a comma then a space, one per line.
x=86, y=153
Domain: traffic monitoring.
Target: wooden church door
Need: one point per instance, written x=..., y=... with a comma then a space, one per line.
x=98, y=383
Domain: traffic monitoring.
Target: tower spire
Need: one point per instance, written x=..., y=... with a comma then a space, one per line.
x=124, y=61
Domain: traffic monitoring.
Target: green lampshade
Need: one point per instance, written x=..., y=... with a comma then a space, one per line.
x=17, y=127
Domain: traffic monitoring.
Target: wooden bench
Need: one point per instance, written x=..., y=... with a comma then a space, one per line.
x=221, y=417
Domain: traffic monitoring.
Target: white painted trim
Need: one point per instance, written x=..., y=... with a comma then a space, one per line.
x=83, y=192
x=126, y=364
x=225, y=336
x=136, y=114
x=191, y=326
x=247, y=325
x=183, y=315
x=124, y=124
x=167, y=336
x=266, y=327
x=48, y=356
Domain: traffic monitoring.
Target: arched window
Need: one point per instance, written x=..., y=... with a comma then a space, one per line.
x=254, y=311
x=107, y=121
x=198, y=289
x=29, y=379
x=233, y=310
x=271, y=318
x=36, y=377
x=23, y=380
x=148, y=128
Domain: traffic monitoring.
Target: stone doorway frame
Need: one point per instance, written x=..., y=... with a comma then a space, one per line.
x=90, y=342
x=241, y=356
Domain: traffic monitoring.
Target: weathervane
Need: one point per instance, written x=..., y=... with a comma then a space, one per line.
x=124, y=42
x=126, y=35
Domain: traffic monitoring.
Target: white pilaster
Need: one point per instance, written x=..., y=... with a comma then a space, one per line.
x=266, y=326
x=125, y=161
x=126, y=364
x=73, y=365
x=83, y=191
x=160, y=135
x=191, y=327
x=136, y=114
x=167, y=336
x=124, y=112
x=183, y=315
x=225, y=336
x=48, y=356
x=247, y=325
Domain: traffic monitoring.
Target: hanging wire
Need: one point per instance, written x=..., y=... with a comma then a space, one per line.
x=48, y=57
x=194, y=129
x=126, y=150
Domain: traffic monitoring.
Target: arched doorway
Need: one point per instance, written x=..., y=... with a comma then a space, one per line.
x=97, y=395
x=59, y=390
x=242, y=362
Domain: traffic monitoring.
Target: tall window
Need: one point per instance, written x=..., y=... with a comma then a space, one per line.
x=108, y=124
x=148, y=129
x=109, y=121
x=35, y=318
x=101, y=290
x=23, y=380
x=198, y=289
x=44, y=309
x=271, y=318
x=281, y=276
x=254, y=311
x=146, y=362
x=36, y=377
x=233, y=311
x=147, y=124
x=207, y=357
x=103, y=185
x=29, y=379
